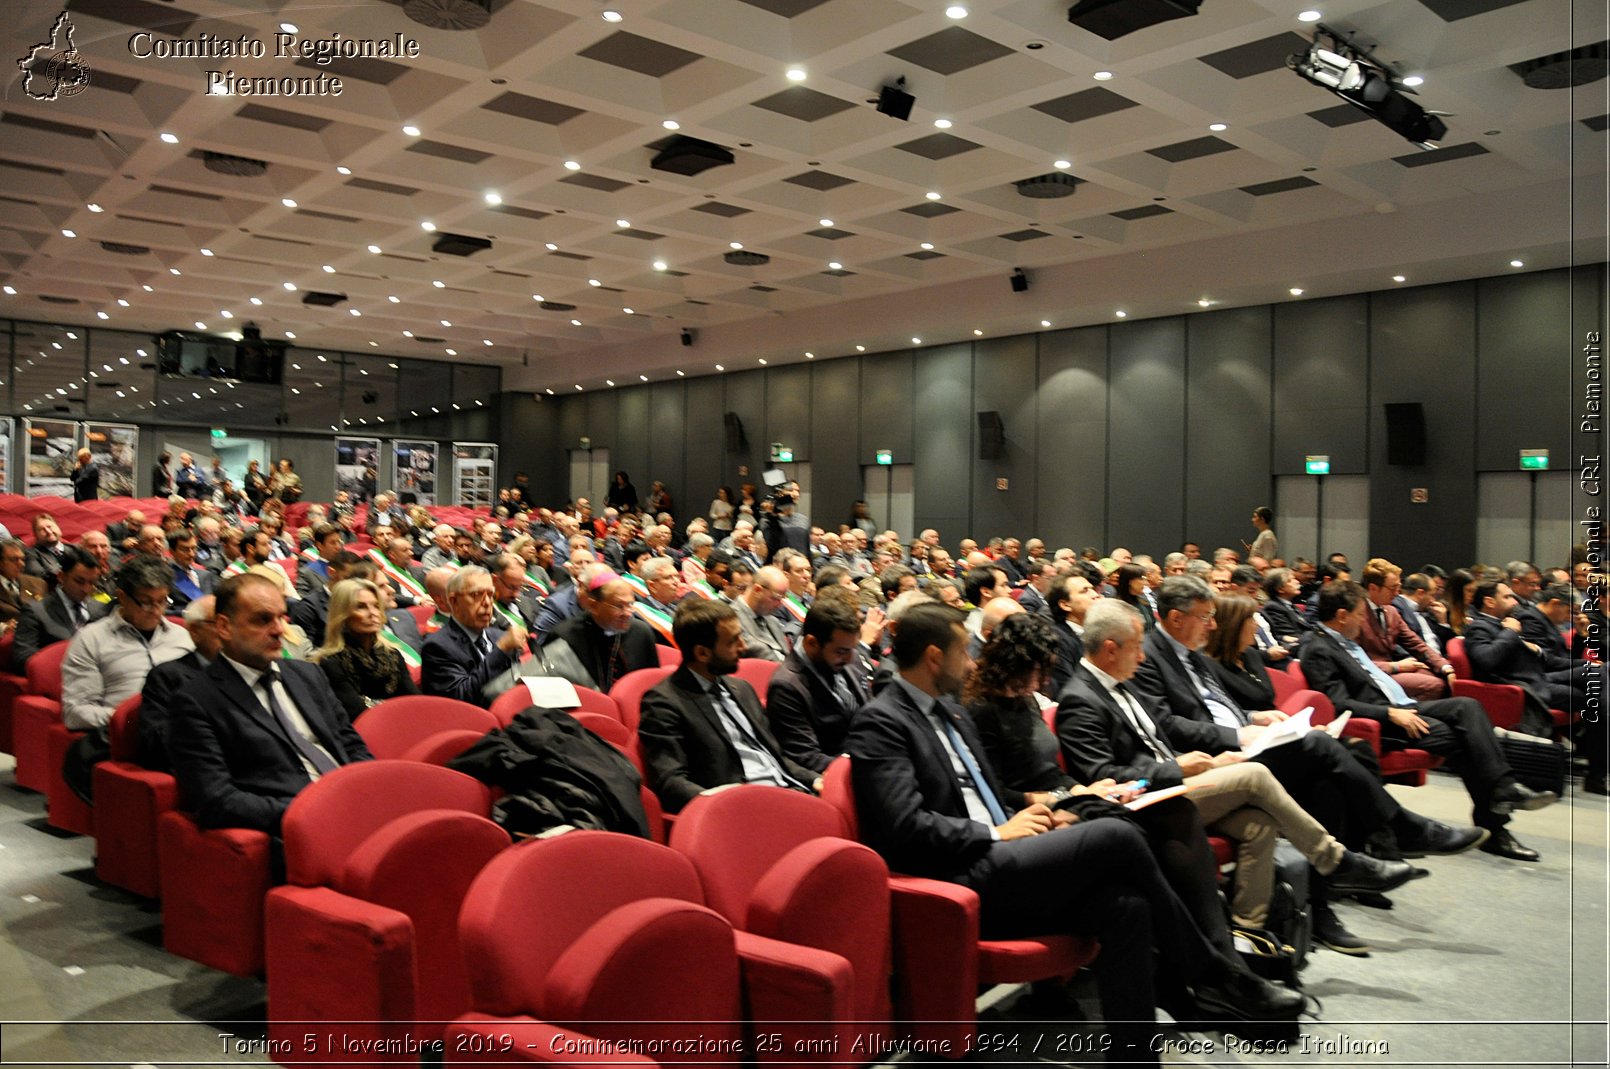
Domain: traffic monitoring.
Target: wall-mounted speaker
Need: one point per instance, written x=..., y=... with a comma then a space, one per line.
x=1405, y=433
x=991, y=436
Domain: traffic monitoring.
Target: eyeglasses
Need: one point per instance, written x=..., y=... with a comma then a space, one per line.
x=148, y=604
x=619, y=606
x=1207, y=616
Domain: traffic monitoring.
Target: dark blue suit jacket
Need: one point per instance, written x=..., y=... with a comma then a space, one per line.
x=1162, y=680
x=236, y=767
x=452, y=668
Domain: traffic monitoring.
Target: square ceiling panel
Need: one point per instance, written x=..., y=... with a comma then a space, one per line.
x=1085, y=104
x=631, y=52
x=1441, y=155
x=114, y=83
x=950, y=51
x=1454, y=10
x=819, y=180
x=369, y=185
x=1193, y=149
x=374, y=71
x=595, y=181
x=1144, y=211
x=1281, y=185
x=1597, y=122
x=930, y=210
x=715, y=207
x=533, y=108
x=158, y=18
x=640, y=235
x=1025, y=235
x=830, y=233
x=1340, y=115
x=449, y=152
x=925, y=254
x=938, y=146
x=280, y=117
x=521, y=213
x=804, y=104
x=1256, y=57
x=788, y=9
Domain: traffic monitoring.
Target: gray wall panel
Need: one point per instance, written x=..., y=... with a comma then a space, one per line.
x=886, y=408
x=631, y=448
x=1422, y=347
x=788, y=409
x=746, y=396
x=1228, y=423
x=530, y=444
x=1525, y=351
x=706, y=446
x=1145, y=469
x=1071, y=458
x=945, y=431
x=1321, y=382
x=572, y=424
x=835, y=418
x=668, y=429
x=1004, y=377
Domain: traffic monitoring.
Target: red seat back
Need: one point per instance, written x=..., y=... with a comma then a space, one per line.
x=395, y=725
x=124, y=730
x=44, y=671
x=757, y=673
x=1459, y=659
x=1295, y=669
x=629, y=689
x=669, y=656
x=838, y=792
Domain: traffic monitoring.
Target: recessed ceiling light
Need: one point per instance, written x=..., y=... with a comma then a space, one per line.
x=147, y=289
x=428, y=226
x=955, y=11
x=173, y=271
x=96, y=208
x=68, y=233
x=450, y=352
x=978, y=333
x=411, y=130
x=1517, y=263
x=594, y=282
x=290, y=335
x=121, y=303
x=1204, y=302
x=916, y=341
x=1296, y=291
x=932, y=194
x=575, y=322
x=943, y=124
x=623, y=223
x=172, y=139
x=927, y=246
x=328, y=269
x=394, y=299
x=1103, y=76
x=763, y=360
x=671, y=124
x=101, y=315
x=1414, y=80
x=1121, y=313
x=374, y=248
x=1218, y=127
x=796, y=74
x=1062, y=165
x=1309, y=16
x=408, y=334
x=288, y=202
x=492, y=199
x=642, y=378
x=551, y=247
x=354, y=312
x=735, y=244
x=549, y=391
x=680, y=373
x=720, y=368
x=227, y=314
x=289, y=27
x=486, y=342
x=343, y=170
x=438, y=283
x=291, y=286
x=537, y=297
x=445, y=323
x=834, y=265
x=659, y=265
x=1400, y=278
x=578, y=385
x=200, y=325
x=1045, y=322
x=612, y=16
x=572, y=165
x=609, y=382
x=824, y=222
x=628, y=311
x=860, y=348
x=206, y=252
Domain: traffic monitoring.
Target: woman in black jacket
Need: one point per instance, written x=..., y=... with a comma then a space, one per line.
x=1232, y=653
x=362, y=666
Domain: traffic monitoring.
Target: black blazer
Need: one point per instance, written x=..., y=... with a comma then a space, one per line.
x=452, y=668
x=44, y=622
x=205, y=580
x=592, y=648
x=1162, y=680
x=1098, y=741
x=1499, y=655
x=1413, y=618
x=236, y=768
x=806, y=714
x=1021, y=748
x=163, y=684
x=1535, y=627
x=1285, y=621
x=1070, y=651
x=1252, y=688
x=908, y=802
x=404, y=626
x=1333, y=673
x=686, y=749
x=86, y=483
x=311, y=613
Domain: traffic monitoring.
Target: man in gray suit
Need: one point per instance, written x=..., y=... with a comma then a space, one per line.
x=58, y=616
x=763, y=635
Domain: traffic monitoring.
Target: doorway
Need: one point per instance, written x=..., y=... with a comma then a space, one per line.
x=890, y=494
x=589, y=476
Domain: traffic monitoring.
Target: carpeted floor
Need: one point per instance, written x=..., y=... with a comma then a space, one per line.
x=1486, y=963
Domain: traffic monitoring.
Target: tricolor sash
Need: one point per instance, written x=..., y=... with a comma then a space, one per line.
x=406, y=583
x=409, y=654
x=703, y=589
x=538, y=580
x=510, y=615
x=235, y=568
x=658, y=619
x=795, y=607
x=437, y=621
x=636, y=584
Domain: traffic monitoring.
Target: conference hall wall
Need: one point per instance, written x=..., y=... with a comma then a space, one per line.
x=1140, y=433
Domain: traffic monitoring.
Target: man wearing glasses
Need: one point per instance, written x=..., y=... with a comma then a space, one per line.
x=764, y=638
x=607, y=638
x=466, y=658
x=109, y=658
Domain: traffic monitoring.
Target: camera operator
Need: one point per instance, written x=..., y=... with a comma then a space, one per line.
x=782, y=523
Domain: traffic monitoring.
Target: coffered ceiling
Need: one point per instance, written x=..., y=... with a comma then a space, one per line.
x=1201, y=170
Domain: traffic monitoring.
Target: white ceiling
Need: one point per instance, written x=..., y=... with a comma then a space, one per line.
x=1166, y=212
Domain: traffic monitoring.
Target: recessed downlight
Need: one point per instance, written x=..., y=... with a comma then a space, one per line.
x=795, y=74
x=411, y=130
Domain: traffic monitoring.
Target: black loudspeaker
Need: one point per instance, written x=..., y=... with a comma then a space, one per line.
x=894, y=101
x=735, y=433
x=1020, y=281
x=1113, y=19
x=1406, y=433
x=991, y=436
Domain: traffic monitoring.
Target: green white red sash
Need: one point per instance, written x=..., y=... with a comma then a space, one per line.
x=657, y=619
x=405, y=582
x=538, y=580
x=235, y=568
x=795, y=607
x=636, y=584
x=409, y=654
x=510, y=615
x=703, y=589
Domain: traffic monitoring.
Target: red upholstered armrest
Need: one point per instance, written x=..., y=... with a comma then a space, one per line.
x=1504, y=702
x=1362, y=727
x=935, y=929
x=478, y=1039
x=796, y=992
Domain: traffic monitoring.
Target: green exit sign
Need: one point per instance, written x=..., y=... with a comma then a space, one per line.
x=1316, y=465
x=785, y=456
x=885, y=456
x=1534, y=460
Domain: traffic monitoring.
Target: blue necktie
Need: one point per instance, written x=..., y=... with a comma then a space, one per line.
x=987, y=796
x=1394, y=692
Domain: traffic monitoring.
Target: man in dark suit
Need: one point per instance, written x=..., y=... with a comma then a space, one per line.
x=189, y=481
x=764, y=638
x=1069, y=598
x=44, y=556
x=1500, y=653
x=930, y=804
x=328, y=541
x=516, y=602
x=703, y=727
x=17, y=589
x=462, y=658
x=60, y=615
x=816, y=691
x=171, y=678
x=1540, y=625
x=1417, y=605
x=252, y=730
x=1286, y=622
x=1457, y=728
x=606, y=638
x=190, y=580
x=86, y=478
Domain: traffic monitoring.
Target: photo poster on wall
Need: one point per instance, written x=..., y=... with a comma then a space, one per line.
x=415, y=464
x=475, y=468
x=51, y=445
x=7, y=426
x=115, y=448
x=357, y=467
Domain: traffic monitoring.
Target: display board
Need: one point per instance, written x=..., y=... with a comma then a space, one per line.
x=115, y=448
x=475, y=468
x=7, y=430
x=49, y=459
x=357, y=467
x=415, y=464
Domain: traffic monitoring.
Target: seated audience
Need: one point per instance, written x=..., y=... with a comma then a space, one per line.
x=45, y=555
x=190, y=579
x=703, y=727
x=818, y=687
x=17, y=588
x=62, y=613
x=764, y=637
x=468, y=658
x=363, y=668
x=605, y=640
x=168, y=679
x=1421, y=671
x=108, y=660
x=1069, y=600
x=253, y=729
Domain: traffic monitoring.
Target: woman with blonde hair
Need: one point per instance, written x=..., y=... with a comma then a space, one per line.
x=357, y=658
x=533, y=551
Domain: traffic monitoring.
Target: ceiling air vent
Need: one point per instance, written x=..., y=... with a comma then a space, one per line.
x=125, y=250
x=235, y=166
x=1047, y=186
x=449, y=14
x=689, y=156
x=323, y=300
x=1564, y=70
x=429, y=341
x=745, y=258
x=52, y=299
x=460, y=245
x=556, y=306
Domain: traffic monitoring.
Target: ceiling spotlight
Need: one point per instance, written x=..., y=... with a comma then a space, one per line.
x=1357, y=77
x=1121, y=313
x=227, y=314
x=955, y=11
x=394, y=299
x=612, y=16
x=147, y=289
x=328, y=269
x=343, y=170
x=1296, y=291
x=671, y=124
x=68, y=233
x=487, y=342
x=735, y=244
x=438, y=283
x=834, y=265
x=796, y=74
x=206, y=252
x=1204, y=302
x=680, y=373
x=572, y=165
x=1218, y=127
x=450, y=352
x=1517, y=263
x=1045, y=322
x=121, y=303
x=978, y=333
x=810, y=356
x=1062, y=165
x=374, y=248
x=173, y=271
x=916, y=341
x=824, y=222
x=411, y=130
x=932, y=194
x=720, y=368
x=354, y=312
x=445, y=323
x=628, y=311
x=172, y=139
x=642, y=378
x=594, y=282
x=428, y=226
x=408, y=334
x=1400, y=278
x=927, y=246
x=659, y=265
x=200, y=325
x=943, y=124
x=96, y=208
x=1102, y=76
x=575, y=322
x=860, y=348
x=609, y=382
x=623, y=223
x=549, y=391
x=289, y=286
x=290, y=335
x=550, y=246
x=1414, y=81
x=492, y=199
x=762, y=361
x=1308, y=16
x=288, y=202
x=288, y=27
x=537, y=297
x=102, y=315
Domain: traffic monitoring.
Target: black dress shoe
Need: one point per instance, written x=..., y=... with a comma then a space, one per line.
x=1596, y=785
x=1512, y=796
x=1386, y=846
x=1503, y=844
x=1372, y=899
x=1245, y=997
x=1360, y=872
x=1435, y=837
x=1331, y=933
